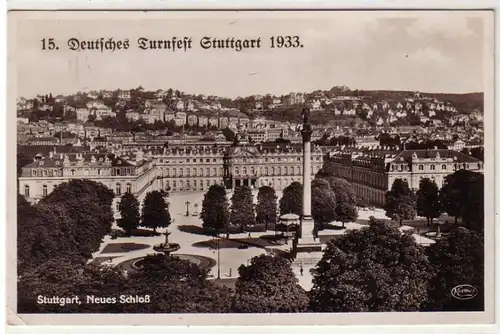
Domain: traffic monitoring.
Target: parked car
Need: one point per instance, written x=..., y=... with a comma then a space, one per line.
x=243, y=246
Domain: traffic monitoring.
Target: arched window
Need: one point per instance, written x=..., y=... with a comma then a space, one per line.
x=33, y=172
x=252, y=170
x=44, y=172
x=433, y=167
x=443, y=167
x=174, y=184
x=26, y=191
x=44, y=190
x=266, y=171
x=244, y=171
x=208, y=171
x=181, y=184
x=174, y=172
x=72, y=172
x=201, y=171
x=194, y=171
x=420, y=167
x=188, y=172
x=214, y=171
x=194, y=184
x=236, y=171
x=129, y=188
x=118, y=189
x=273, y=172
x=181, y=173
x=99, y=171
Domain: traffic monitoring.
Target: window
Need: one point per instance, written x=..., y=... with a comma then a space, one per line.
x=420, y=167
x=244, y=171
x=214, y=160
x=44, y=190
x=443, y=167
x=117, y=206
x=188, y=172
x=118, y=189
x=236, y=171
x=26, y=191
x=194, y=184
x=215, y=171
x=207, y=160
x=273, y=171
x=194, y=160
x=174, y=184
x=86, y=172
x=129, y=188
x=201, y=171
x=252, y=170
x=117, y=171
x=181, y=172
x=33, y=172
x=433, y=167
x=266, y=171
x=44, y=172
x=72, y=172
x=194, y=171
x=99, y=171
x=167, y=172
x=208, y=171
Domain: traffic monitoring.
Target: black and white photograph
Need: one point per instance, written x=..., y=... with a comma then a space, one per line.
x=222, y=164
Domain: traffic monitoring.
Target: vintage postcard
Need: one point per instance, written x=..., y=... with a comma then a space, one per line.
x=250, y=167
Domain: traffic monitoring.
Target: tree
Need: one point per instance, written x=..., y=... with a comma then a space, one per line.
x=242, y=208
x=462, y=195
x=323, y=202
x=373, y=269
x=428, y=204
x=178, y=286
x=129, y=212
x=268, y=285
x=267, y=207
x=64, y=277
x=345, y=210
x=400, y=202
x=155, y=211
x=458, y=259
x=214, y=208
x=291, y=201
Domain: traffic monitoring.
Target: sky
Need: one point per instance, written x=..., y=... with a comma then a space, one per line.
x=418, y=51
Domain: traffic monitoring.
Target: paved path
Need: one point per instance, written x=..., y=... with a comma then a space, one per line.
x=230, y=258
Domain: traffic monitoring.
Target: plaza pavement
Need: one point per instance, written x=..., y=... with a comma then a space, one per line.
x=230, y=258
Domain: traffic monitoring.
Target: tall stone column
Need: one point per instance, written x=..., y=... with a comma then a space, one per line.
x=307, y=248
x=307, y=223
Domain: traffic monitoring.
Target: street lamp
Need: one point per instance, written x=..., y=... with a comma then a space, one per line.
x=218, y=257
x=187, y=208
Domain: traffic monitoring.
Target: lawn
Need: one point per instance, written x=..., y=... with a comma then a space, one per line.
x=123, y=247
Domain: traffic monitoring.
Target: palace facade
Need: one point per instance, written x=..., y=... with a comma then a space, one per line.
x=172, y=169
x=373, y=173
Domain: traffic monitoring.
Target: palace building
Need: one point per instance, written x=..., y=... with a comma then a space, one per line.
x=172, y=169
x=373, y=173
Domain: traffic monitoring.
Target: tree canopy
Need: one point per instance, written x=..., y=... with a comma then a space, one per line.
x=462, y=195
x=373, y=269
x=323, y=202
x=155, y=211
x=242, y=208
x=291, y=201
x=428, y=203
x=267, y=207
x=458, y=259
x=71, y=220
x=129, y=212
x=214, y=208
x=400, y=202
x=268, y=285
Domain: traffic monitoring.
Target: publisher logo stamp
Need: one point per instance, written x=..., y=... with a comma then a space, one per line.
x=464, y=292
